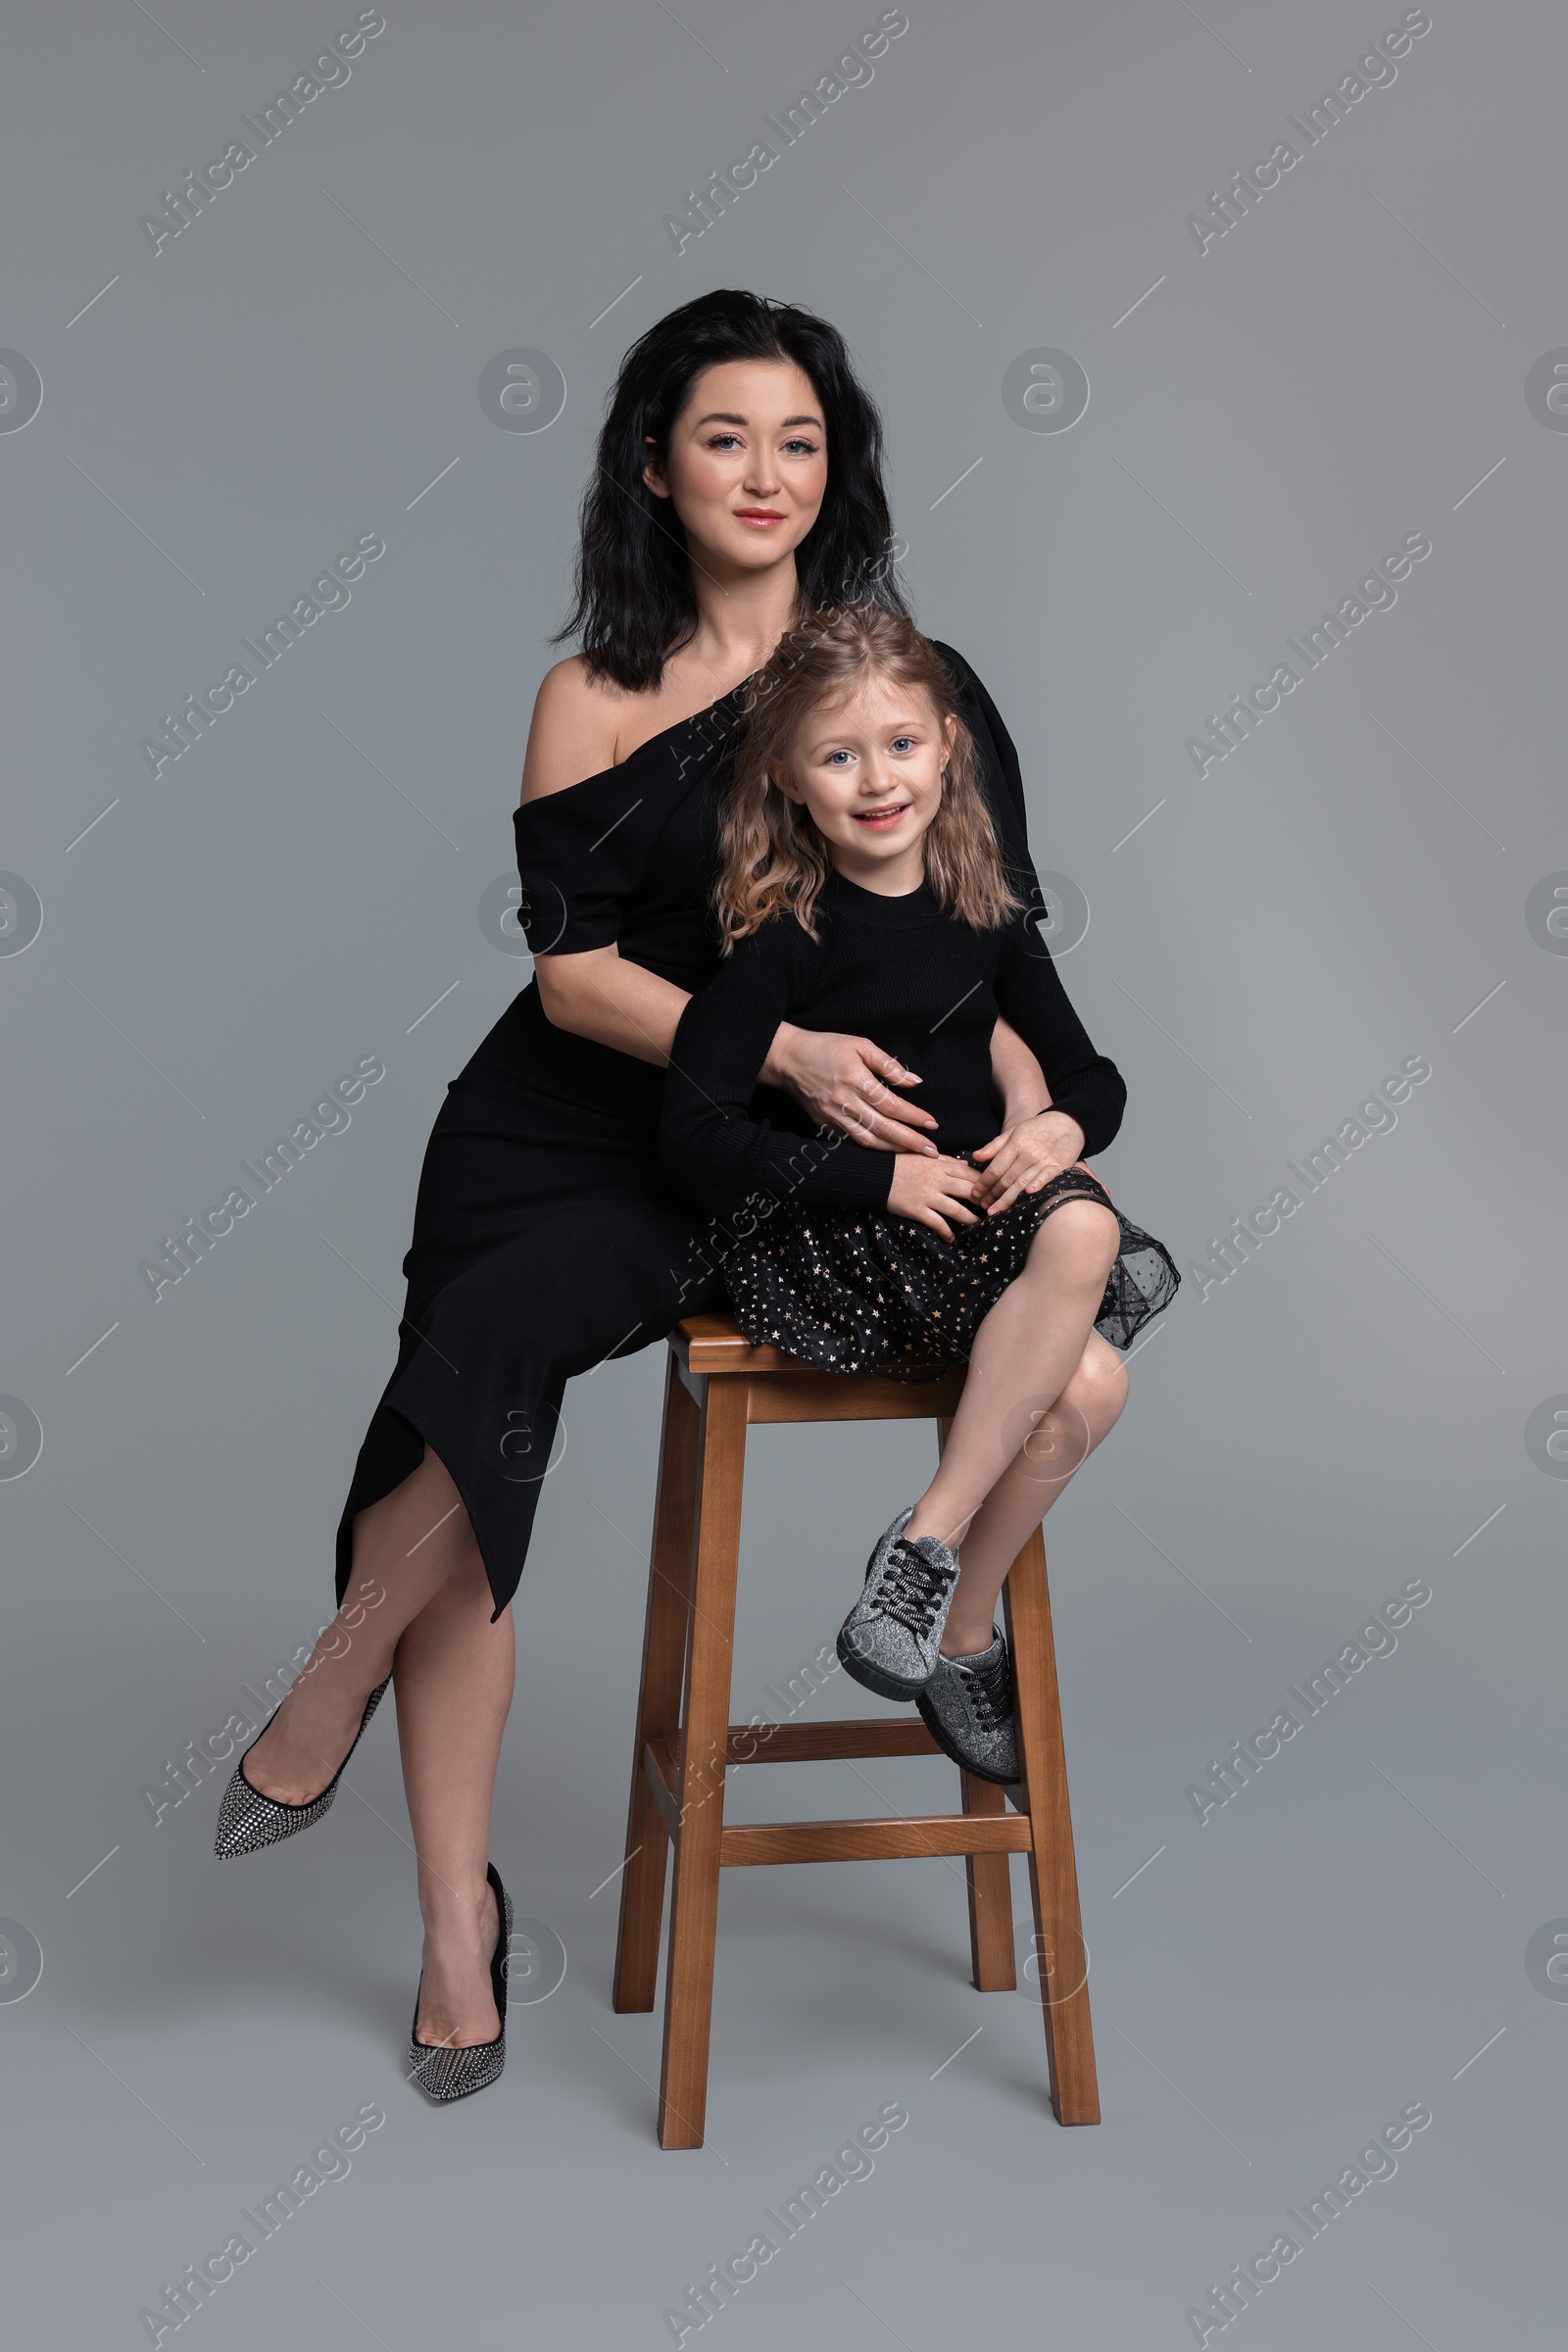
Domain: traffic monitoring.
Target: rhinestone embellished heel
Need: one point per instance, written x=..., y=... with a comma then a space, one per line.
x=247, y=1820
x=444, y=2073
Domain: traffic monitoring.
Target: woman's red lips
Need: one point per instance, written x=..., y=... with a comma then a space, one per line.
x=759, y=515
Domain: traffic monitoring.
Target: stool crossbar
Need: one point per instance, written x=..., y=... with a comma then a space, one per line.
x=718, y=1386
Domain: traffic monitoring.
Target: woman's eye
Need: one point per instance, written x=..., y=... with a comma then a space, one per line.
x=722, y=440
x=803, y=449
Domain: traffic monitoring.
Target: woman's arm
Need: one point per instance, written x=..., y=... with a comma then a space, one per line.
x=587, y=988
x=1084, y=1085
x=841, y=1082
x=1030, y=1148
x=1002, y=773
x=1015, y=1074
x=601, y=994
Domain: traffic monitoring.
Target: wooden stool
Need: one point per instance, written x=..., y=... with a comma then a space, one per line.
x=717, y=1386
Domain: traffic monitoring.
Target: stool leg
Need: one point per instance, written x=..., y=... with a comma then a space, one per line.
x=699, y=1791
x=991, y=1953
x=642, y=1885
x=1053, y=1870
x=993, y=1964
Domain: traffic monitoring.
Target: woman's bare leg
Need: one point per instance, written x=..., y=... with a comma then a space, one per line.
x=454, y=1678
x=418, y=1605
x=404, y=1548
x=1086, y=1412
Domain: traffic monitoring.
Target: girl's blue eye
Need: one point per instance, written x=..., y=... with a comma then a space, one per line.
x=832, y=756
x=898, y=739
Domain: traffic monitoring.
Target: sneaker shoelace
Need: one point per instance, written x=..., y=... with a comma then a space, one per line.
x=911, y=1587
x=989, y=1688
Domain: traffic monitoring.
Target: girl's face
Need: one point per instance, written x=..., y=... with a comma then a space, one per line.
x=868, y=772
x=746, y=469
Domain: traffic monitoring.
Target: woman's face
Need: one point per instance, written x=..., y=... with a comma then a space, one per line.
x=747, y=469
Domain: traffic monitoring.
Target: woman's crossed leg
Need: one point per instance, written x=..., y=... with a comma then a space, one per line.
x=420, y=1606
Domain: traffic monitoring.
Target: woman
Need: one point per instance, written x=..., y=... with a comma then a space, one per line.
x=738, y=486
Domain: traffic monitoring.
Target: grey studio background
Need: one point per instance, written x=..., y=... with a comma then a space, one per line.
x=1357, y=356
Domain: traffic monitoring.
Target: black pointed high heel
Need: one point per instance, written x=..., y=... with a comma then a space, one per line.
x=247, y=1820
x=444, y=2073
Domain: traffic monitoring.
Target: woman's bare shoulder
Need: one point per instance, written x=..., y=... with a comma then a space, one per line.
x=576, y=722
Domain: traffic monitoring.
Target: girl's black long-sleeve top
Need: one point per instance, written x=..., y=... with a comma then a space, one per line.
x=925, y=987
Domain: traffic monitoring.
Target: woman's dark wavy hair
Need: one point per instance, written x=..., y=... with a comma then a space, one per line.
x=633, y=605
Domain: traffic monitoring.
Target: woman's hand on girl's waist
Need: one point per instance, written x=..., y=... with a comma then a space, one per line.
x=847, y=1083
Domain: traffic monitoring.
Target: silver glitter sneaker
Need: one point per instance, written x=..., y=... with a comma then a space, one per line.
x=444, y=2073
x=247, y=1820
x=889, y=1639
x=967, y=1709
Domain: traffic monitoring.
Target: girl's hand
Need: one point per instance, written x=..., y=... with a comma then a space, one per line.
x=936, y=1192
x=845, y=1082
x=1024, y=1158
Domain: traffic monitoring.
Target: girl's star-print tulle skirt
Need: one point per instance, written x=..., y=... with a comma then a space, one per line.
x=864, y=1291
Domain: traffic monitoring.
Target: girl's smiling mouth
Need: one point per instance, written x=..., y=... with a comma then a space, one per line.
x=882, y=817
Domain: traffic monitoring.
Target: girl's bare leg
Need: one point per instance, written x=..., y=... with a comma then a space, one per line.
x=1086, y=1412
x=1025, y=1352
x=418, y=1605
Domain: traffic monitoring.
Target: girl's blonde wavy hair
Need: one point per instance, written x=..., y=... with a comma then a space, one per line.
x=772, y=859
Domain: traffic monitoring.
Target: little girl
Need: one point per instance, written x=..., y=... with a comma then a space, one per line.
x=861, y=888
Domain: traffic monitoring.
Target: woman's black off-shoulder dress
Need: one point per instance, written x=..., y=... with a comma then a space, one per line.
x=547, y=1237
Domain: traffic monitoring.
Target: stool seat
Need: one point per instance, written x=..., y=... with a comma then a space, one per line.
x=718, y=1385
